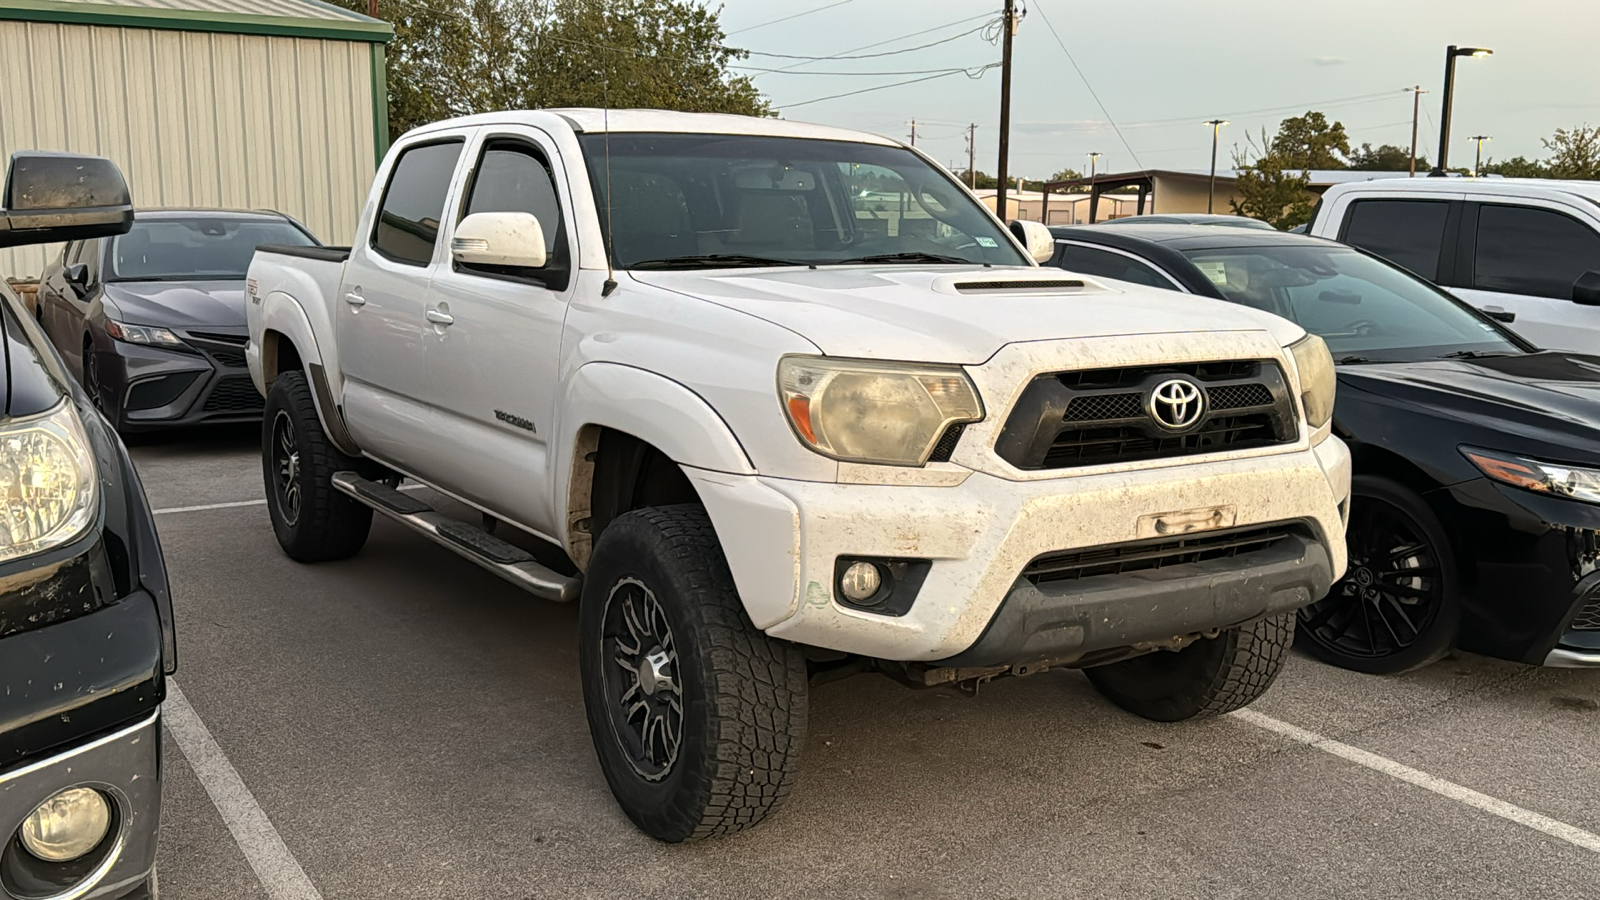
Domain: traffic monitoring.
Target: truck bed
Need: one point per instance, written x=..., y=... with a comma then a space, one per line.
x=326, y=254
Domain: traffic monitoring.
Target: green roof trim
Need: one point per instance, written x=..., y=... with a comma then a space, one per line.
x=75, y=13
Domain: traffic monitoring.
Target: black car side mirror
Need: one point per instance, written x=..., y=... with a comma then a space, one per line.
x=1586, y=290
x=77, y=276
x=52, y=197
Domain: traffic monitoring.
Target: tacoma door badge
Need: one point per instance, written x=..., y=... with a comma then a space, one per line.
x=515, y=420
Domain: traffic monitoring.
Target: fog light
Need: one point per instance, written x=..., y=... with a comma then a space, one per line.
x=67, y=826
x=860, y=582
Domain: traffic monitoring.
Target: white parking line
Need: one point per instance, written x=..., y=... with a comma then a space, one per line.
x=238, y=503
x=280, y=873
x=1527, y=818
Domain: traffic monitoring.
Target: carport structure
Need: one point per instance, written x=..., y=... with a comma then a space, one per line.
x=1160, y=190
x=278, y=104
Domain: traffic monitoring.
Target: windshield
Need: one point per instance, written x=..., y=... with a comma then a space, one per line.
x=706, y=201
x=1366, y=310
x=201, y=248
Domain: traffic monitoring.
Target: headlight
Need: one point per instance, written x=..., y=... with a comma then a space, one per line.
x=1317, y=381
x=1571, y=482
x=142, y=334
x=872, y=412
x=47, y=482
x=67, y=826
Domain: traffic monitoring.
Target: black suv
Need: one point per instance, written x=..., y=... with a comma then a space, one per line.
x=86, y=637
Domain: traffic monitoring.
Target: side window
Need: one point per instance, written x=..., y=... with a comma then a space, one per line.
x=413, y=203
x=1526, y=250
x=514, y=177
x=1408, y=233
x=1088, y=261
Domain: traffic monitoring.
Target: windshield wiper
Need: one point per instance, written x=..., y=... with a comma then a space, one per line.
x=714, y=261
x=1358, y=360
x=1475, y=354
x=915, y=256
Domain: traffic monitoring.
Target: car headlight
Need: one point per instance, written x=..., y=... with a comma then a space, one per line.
x=1317, y=380
x=873, y=412
x=47, y=482
x=142, y=334
x=1556, y=479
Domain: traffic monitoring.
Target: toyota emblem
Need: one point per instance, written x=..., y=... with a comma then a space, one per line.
x=1176, y=404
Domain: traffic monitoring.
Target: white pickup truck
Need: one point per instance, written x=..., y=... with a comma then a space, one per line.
x=787, y=403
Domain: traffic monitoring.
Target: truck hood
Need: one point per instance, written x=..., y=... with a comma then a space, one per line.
x=177, y=304
x=951, y=314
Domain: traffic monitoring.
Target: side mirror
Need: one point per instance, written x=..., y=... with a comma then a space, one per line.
x=1500, y=314
x=1035, y=238
x=53, y=197
x=499, y=239
x=1586, y=290
x=77, y=276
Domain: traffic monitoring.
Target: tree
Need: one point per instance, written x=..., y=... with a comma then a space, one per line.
x=1268, y=188
x=1515, y=167
x=1385, y=158
x=984, y=180
x=1574, y=153
x=1309, y=142
x=1067, y=174
x=454, y=57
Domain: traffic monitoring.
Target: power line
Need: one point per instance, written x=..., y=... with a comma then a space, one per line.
x=883, y=87
x=1314, y=105
x=846, y=55
x=788, y=17
x=902, y=37
x=1090, y=87
x=951, y=70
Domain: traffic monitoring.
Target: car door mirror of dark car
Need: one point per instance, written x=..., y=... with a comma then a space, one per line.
x=52, y=197
x=77, y=278
x=1586, y=290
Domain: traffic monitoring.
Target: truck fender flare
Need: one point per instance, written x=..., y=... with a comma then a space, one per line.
x=283, y=314
x=647, y=406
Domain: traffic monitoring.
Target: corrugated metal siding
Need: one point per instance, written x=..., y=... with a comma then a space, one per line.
x=291, y=9
x=196, y=119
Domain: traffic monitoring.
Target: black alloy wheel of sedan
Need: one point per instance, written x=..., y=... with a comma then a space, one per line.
x=1395, y=608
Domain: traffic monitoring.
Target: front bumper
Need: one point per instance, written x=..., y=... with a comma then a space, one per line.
x=124, y=766
x=783, y=540
x=153, y=387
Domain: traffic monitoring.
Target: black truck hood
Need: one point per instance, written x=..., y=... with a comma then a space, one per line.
x=177, y=304
x=1544, y=405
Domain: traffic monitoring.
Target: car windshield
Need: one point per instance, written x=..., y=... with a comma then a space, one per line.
x=198, y=248
x=717, y=200
x=1367, y=310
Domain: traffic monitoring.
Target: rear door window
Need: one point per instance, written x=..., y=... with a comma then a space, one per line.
x=1409, y=233
x=1528, y=250
x=1106, y=264
x=413, y=203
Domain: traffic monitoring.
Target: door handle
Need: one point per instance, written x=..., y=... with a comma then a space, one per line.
x=440, y=318
x=354, y=298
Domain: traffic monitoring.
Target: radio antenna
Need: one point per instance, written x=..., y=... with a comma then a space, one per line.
x=605, y=120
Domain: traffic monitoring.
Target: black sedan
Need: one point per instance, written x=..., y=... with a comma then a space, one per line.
x=1476, y=512
x=152, y=321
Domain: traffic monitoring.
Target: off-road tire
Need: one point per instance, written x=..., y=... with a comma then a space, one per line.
x=1209, y=677
x=327, y=525
x=743, y=694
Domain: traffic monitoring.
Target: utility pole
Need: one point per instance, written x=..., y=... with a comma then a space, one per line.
x=1211, y=194
x=913, y=126
x=1416, y=107
x=972, y=156
x=1478, y=163
x=1008, y=27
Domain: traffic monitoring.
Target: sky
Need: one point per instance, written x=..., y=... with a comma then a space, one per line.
x=1162, y=67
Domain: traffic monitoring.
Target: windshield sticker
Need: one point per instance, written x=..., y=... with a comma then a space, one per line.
x=986, y=242
x=1217, y=271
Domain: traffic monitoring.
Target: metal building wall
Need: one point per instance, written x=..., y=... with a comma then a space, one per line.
x=196, y=118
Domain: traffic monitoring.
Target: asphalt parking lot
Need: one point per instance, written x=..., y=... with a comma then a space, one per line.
x=403, y=724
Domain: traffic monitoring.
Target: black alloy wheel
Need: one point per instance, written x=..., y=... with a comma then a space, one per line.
x=1395, y=608
x=92, y=385
x=647, y=701
x=285, y=464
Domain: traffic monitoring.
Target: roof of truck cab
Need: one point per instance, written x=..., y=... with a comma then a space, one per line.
x=660, y=121
x=1474, y=187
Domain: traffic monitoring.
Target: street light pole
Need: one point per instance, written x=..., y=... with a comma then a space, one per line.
x=1211, y=194
x=1447, y=101
x=1478, y=163
x=1416, y=107
x=1094, y=158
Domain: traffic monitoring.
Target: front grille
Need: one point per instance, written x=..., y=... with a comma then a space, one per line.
x=228, y=359
x=1100, y=416
x=946, y=447
x=1118, y=559
x=237, y=340
x=234, y=393
x=1588, y=618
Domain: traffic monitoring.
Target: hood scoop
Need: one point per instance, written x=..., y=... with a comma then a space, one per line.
x=1021, y=285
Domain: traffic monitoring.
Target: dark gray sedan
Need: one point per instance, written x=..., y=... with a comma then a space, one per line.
x=153, y=321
